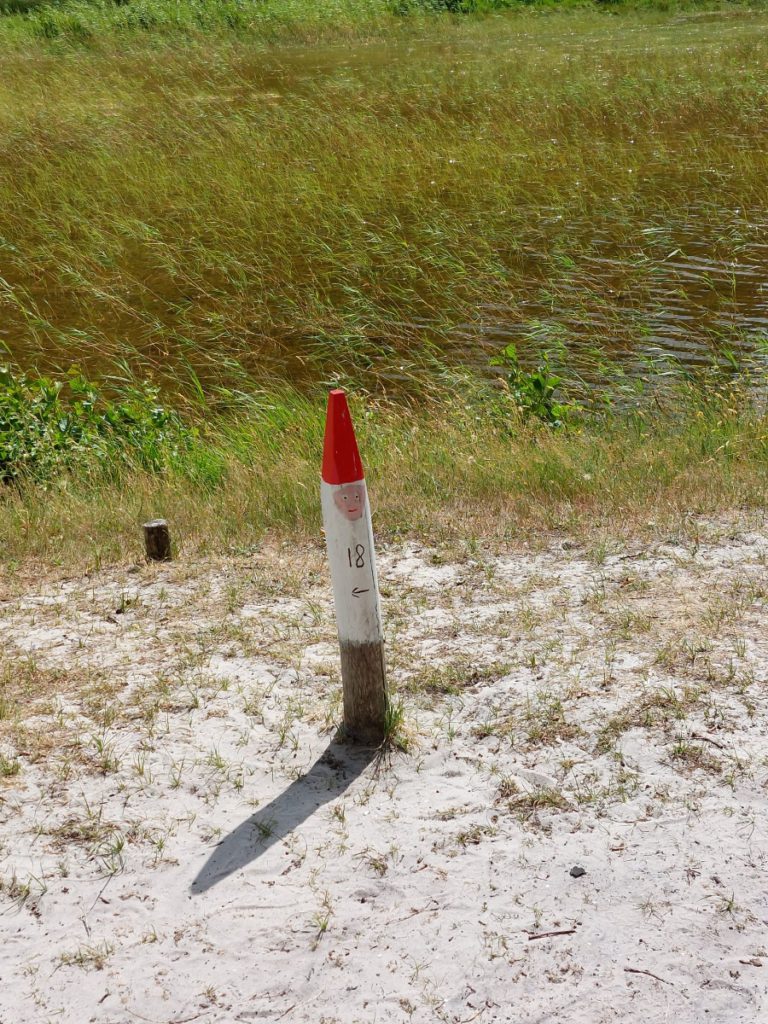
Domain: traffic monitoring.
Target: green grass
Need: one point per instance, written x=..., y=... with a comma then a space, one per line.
x=459, y=464
x=91, y=22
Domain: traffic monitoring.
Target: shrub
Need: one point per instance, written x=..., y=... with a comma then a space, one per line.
x=46, y=426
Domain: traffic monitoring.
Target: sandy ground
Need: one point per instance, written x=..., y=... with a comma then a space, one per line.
x=181, y=839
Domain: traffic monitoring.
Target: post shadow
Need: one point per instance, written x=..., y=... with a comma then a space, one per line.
x=333, y=772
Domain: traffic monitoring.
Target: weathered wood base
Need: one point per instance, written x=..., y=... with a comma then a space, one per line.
x=157, y=541
x=365, y=692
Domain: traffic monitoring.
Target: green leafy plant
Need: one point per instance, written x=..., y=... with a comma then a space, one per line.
x=534, y=392
x=47, y=425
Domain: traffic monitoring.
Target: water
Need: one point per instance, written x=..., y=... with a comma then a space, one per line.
x=665, y=281
x=671, y=295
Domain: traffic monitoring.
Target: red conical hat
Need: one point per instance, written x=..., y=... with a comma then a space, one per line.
x=341, y=459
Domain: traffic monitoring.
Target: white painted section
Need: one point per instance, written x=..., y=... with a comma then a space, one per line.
x=353, y=562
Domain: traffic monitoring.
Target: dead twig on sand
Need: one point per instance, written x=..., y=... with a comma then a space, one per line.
x=639, y=970
x=432, y=905
x=547, y=935
x=707, y=739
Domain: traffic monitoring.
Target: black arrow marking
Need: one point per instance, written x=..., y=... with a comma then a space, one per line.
x=356, y=592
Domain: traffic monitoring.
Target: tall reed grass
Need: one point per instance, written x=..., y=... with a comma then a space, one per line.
x=212, y=214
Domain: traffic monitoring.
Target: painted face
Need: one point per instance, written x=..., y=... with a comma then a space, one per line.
x=350, y=501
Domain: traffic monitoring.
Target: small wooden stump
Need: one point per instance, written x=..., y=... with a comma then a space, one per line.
x=157, y=541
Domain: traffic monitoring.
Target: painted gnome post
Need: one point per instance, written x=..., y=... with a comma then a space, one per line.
x=349, y=536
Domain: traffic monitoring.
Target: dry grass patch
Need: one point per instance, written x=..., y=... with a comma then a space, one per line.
x=694, y=756
x=89, y=829
x=660, y=708
x=24, y=894
x=9, y=766
x=540, y=720
x=527, y=805
x=546, y=722
x=29, y=693
x=24, y=683
x=451, y=679
x=475, y=834
x=88, y=957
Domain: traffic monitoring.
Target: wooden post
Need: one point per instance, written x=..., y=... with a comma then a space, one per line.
x=349, y=537
x=157, y=541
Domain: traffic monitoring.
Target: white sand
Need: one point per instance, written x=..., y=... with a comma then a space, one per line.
x=138, y=885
